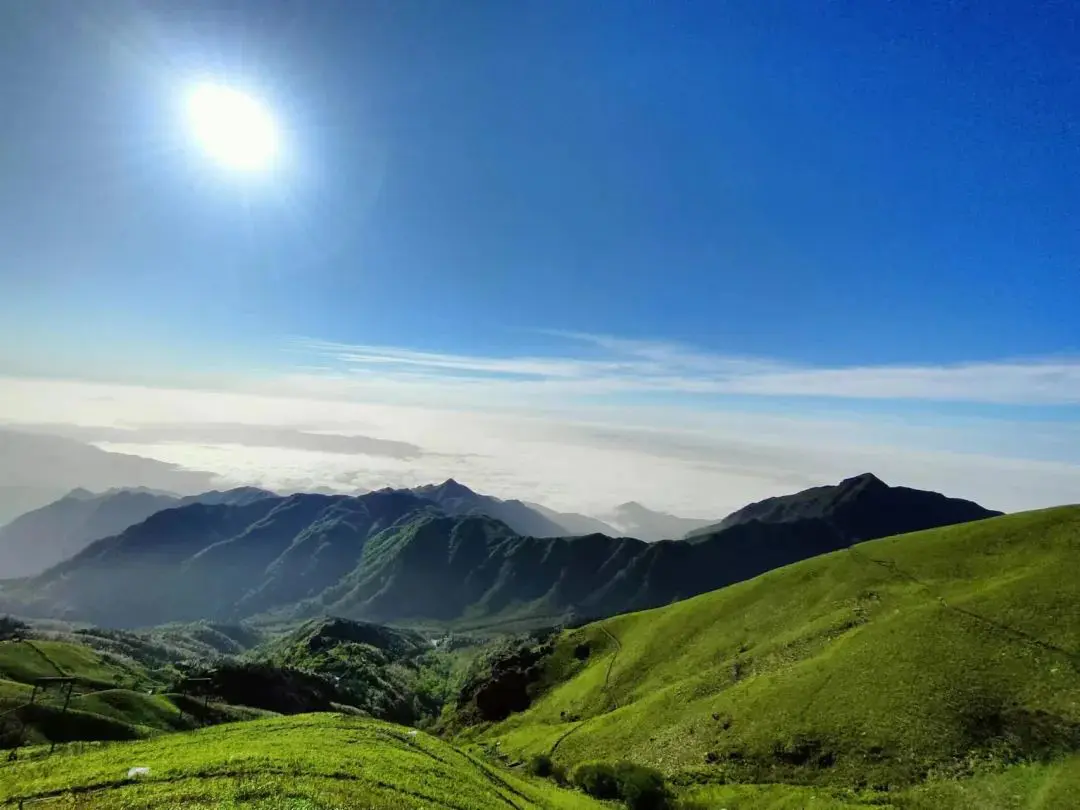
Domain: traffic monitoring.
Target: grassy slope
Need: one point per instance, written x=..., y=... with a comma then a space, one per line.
x=1053, y=786
x=24, y=661
x=98, y=710
x=306, y=761
x=905, y=658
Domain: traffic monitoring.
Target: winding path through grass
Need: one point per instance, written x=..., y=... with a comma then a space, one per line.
x=606, y=688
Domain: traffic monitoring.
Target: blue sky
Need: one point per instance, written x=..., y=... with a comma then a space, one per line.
x=856, y=210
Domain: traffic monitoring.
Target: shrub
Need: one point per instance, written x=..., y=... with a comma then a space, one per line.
x=12, y=629
x=640, y=787
x=558, y=774
x=597, y=779
x=541, y=765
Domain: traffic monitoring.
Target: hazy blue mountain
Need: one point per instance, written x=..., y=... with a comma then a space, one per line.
x=45, y=536
x=575, y=523
x=634, y=520
x=859, y=508
x=18, y=500
x=38, y=467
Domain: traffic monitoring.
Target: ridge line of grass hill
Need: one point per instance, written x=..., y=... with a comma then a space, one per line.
x=912, y=658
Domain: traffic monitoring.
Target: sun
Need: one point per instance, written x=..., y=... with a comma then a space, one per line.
x=234, y=128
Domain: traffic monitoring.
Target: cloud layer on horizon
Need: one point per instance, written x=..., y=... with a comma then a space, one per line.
x=560, y=431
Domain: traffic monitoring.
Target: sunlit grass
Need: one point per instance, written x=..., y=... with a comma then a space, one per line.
x=933, y=655
x=309, y=761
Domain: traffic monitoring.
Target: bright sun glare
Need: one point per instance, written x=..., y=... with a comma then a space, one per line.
x=234, y=128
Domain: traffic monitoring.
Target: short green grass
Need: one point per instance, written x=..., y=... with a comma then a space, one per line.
x=137, y=708
x=1027, y=786
x=933, y=655
x=1054, y=786
x=13, y=694
x=784, y=797
x=24, y=661
x=1037, y=786
x=304, y=762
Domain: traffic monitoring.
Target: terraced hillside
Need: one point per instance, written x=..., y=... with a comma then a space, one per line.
x=307, y=761
x=907, y=662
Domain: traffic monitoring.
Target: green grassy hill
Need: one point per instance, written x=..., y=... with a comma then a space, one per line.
x=1038, y=786
x=111, y=699
x=302, y=763
x=907, y=661
x=24, y=661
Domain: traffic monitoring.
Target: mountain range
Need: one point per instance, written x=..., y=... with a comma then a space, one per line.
x=428, y=555
x=50, y=534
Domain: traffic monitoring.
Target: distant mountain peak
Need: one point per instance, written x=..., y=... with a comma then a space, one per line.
x=634, y=519
x=862, y=507
x=457, y=499
x=79, y=494
x=866, y=479
x=452, y=487
x=447, y=489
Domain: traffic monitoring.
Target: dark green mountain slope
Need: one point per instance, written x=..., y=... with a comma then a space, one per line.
x=213, y=561
x=859, y=508
x=390, y=556
x=448, y=569
x=373, y=668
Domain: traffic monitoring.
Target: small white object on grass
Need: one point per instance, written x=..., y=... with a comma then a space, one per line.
x=412, y=733
x=140, y=771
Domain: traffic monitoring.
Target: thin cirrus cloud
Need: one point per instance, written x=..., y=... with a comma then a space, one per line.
x=237, y=433
x=607, y=365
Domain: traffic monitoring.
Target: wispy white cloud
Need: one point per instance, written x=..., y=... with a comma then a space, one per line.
x=603, y=365
x=582, y=429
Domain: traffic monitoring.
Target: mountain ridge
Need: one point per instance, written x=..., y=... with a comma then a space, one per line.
x=861, y=507
x=392, y=556
x=458, y=500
